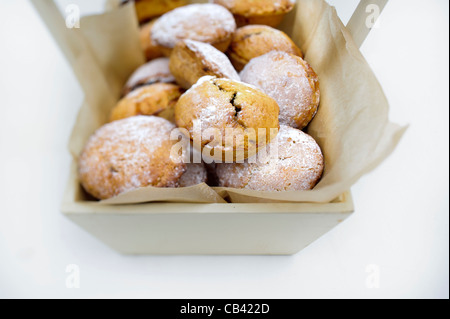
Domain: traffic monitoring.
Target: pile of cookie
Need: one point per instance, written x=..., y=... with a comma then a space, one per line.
x=211, y=69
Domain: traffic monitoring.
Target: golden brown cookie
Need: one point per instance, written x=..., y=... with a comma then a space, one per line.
x=255, y=40
x=209, y=23
x=191, y=60
x=298, y=166
x=290, y=81
x=228, y=120
x=151, y=50
x=155, y=71
x=154, y=99
x=267, y=12
x=149, y=9
x=125, y=155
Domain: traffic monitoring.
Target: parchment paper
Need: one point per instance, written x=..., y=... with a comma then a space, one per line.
x=352, y=125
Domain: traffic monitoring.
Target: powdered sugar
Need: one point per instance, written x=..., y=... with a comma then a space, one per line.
x=201, y=22
x=282, y=77
x=213, y=107
x=246, y=85
x=128, y=154
x=202, y=80
x=216, y=59
x=154, y=71
x=216, y=110
x=297, y=166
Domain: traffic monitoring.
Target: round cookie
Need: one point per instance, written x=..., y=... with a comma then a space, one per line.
x=228, y=120
x=298, y=166
x=209, y=23
x=152, y=72
x=154, y=99
x=191, y=60
x=151, y=50
x=290, y=81
x=149, y=9
x=255, y=40
x=125, y=155
x=267, y=12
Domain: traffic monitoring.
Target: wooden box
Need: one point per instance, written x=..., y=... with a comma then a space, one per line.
x=220, y=229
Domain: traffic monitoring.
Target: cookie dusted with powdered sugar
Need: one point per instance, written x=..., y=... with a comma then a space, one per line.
x=128, y=154
x=298, y=166
x=290, y=81
x=253, y=41
x=209, y=23
x=231, y=119
x=192, y=60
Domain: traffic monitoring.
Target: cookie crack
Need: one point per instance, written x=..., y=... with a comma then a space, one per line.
x=285, y=158
x=113, y=170
x=219, y=87
x=237, y=107
x=245, y=37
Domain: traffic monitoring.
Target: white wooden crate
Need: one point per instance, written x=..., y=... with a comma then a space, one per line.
x=169, y=228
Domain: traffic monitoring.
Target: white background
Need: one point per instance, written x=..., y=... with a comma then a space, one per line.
x=401, y=222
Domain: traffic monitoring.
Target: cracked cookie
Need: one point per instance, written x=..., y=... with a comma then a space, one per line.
x=192, y=60
x=268, y=12
x=156, y=99
x=128, y=154
x=209, y=23
x=227, y=120
x=296, y=164
x=290, y=81
x=255, y=40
